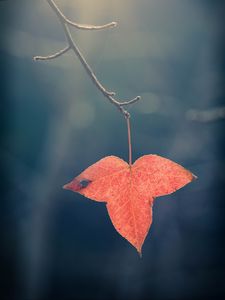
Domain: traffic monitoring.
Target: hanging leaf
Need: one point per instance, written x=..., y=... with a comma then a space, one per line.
x=129, y=191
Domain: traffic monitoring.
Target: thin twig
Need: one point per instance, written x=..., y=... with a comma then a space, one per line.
x=52, y=56
x=132, y=101
x=79, y=26
x=72, y=45
x=92, y=27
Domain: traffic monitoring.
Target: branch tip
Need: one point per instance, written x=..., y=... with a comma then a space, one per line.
x=52, y=56
x=132, y=101
x=114, y=24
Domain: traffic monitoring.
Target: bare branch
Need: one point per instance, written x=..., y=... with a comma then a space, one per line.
x=132, y=101
x=77, y=25
x=72, y=45
x=52, y=56
x=91, y=27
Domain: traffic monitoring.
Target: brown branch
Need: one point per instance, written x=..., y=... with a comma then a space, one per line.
x=72, y=45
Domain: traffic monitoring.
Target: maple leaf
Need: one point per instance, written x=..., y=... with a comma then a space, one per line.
x=129, y=191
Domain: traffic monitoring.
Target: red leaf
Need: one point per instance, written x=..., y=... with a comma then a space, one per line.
x=129, y=191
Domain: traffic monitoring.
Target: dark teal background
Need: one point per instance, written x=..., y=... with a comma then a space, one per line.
x=54, y=123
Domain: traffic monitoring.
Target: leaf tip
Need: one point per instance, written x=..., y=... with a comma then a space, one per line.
x=194, y=177
x=139, y=249
x=66, y=186
x=139, y=253
x=76, y=185
x=72, y=185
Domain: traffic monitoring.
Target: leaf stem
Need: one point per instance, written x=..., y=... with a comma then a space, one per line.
x=129, y=141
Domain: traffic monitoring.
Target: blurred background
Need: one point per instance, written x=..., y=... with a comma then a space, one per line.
x=56, y=244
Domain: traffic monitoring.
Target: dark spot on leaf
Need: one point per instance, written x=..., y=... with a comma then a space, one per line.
x=84, y=183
